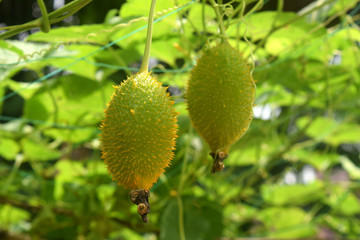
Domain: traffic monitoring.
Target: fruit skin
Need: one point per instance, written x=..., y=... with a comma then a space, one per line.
x=138, y=132
x=220, y=96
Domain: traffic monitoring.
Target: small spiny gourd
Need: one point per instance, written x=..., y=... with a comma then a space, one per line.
x=220, y=97
x=138, y=132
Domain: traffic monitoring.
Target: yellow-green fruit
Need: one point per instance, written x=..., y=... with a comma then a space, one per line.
x=220, y=96
x=138, y=132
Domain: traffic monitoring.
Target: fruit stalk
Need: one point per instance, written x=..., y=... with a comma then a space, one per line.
x=141, y=199
x=145, y=62
x=220, y=21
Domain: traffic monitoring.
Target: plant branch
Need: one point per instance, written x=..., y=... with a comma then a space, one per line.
x=54, y=17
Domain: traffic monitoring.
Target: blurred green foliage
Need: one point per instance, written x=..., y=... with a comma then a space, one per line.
x=295, y=174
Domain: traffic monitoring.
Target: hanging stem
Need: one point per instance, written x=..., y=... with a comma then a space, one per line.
x=45, y=23
x=145, y=62
x=203, y=19
x=220, y=21
x=181, y=185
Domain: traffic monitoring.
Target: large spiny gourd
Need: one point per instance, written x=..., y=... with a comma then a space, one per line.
x=138, y=132
x=220, y=96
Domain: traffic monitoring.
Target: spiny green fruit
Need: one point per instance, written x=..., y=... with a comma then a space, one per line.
x=138, y=132
x=220, y=96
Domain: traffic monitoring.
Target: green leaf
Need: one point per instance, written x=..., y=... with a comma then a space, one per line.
x=25, y=90
x=343, y=201
x=256, y=26
x=195, y=19
x=202, y=220
x=68, y=172
x=38, y=107
x=74, y=134
x=320, y=128
x=15, y=51
x=345, y=133
x=287, y=222
x=319, y=160
x=96, y=167
x=246, y=49
x=246, y=151
x=285, y=73
x=137, y=8
x=121, y=58
x=80, y=100
x=38, y=151
x=330, y=131
x=341, y=5
x=105, y=194
x=6, y=46
x=242, y=156
x=291, y=36
x=240, y=212
x=348, y=227
x=125, y=233
x=8, y=148
x=20, y=49
x=73, y=101
x=350, y=57
x=343, y=38
x=276, y=95
x=292, y=194
x=10, y=216
x=64, y=57
x=95, y=33
x=164, y=50
x=174, y=80
x=350, y=167
x=259, y=24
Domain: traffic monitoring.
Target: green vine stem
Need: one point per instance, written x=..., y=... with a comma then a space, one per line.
x=53, y=17
x=220, y=21
x=45, y=23
x=181, y=185
x=203, y=19
x=145, y=62
x=11, y=176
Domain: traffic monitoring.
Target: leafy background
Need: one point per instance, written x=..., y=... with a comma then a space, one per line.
x=295, y=174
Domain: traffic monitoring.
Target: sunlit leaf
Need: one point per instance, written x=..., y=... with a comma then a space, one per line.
x=292, y=194
x=95, y=33
x=350, y=167
x=68, y=172
x=286, y=222
x=38, y=151
x=343, y=201
x=10, y=215
x=8, y=148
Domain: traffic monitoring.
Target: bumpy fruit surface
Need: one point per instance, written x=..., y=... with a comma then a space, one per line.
x=138, y=132
x=220, y=96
